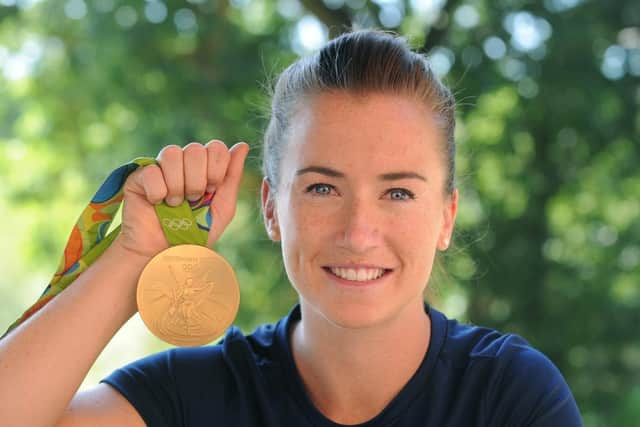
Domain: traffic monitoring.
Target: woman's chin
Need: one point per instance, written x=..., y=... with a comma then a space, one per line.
x=350, y=315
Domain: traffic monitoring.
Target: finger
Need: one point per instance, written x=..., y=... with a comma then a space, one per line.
x=153, y=183
x=238, y=154
x=194, y=162
x=217, y=162
x=223, y=205
x=148, y=183
x=170, y=161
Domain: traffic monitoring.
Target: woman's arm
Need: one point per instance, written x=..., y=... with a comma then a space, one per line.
x=44, y=360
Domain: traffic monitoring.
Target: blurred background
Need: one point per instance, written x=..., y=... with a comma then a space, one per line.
x=548, y=235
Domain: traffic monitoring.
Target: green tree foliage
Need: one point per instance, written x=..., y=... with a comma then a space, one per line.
x=548, y=238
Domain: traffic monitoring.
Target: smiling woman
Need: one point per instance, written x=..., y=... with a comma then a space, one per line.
x=381, y=209
x=359, y=192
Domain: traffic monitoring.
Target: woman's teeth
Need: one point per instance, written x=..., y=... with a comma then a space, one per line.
x=358, y=274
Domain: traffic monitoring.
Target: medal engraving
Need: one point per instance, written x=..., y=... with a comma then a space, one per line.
x=188, y=295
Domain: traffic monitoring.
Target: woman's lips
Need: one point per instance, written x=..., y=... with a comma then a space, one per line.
x=357, y=276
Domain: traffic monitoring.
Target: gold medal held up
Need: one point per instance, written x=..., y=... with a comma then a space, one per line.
x=188, y=295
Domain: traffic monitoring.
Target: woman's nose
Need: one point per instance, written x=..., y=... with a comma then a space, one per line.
x=361, y=226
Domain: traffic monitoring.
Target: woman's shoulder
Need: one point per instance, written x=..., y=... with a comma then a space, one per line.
x=513, y=380
x=466, y=343
x=200, y=382
x=505, y=360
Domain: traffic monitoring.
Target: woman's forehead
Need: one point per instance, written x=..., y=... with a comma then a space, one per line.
x=330, y=106
x=378, y=128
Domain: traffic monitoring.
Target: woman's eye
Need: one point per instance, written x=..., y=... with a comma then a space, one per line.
x=401, y=194
x=321, y=189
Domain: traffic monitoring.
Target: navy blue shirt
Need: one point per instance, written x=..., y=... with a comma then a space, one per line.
x=470, y=376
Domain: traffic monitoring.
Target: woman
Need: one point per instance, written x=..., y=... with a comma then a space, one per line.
x=359, y=191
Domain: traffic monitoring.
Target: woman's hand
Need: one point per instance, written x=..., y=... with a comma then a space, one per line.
x=181, y=173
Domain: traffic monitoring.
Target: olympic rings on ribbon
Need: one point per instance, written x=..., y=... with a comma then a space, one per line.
x=177, y=223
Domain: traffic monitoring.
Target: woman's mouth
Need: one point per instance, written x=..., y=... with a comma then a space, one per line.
x=360, y=275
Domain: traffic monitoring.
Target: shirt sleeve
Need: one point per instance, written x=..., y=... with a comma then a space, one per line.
x=529, y=390
x=149, y=385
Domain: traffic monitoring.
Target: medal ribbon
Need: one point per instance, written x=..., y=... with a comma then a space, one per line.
x=188, y=223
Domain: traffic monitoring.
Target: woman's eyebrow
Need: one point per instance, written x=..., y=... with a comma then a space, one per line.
x=391, y=176
x=321, y=170
x=401, y=175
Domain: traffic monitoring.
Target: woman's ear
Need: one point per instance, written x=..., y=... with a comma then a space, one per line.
x=449, y=219
x=269, y=214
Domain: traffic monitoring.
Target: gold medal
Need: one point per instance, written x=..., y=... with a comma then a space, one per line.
x=188, y=295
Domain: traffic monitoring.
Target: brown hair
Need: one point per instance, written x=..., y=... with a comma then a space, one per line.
x=359, y=62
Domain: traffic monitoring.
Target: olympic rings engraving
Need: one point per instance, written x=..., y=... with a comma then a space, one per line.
x=177, y=223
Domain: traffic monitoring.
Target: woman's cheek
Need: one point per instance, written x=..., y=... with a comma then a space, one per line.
x=415, y=229
x=314, y=212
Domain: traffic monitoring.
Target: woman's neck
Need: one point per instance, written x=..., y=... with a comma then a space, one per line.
x=351, y=375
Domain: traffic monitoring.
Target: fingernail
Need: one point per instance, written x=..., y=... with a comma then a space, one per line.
x=174, y=201
x=211, y=189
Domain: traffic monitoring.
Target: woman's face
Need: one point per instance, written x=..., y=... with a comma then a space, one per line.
x=360, y=209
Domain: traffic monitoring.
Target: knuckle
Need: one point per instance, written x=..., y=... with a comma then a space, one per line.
x=217, y=150
x=154, y=185
x=137, y=175
x=150, y=175
x=215, y=142
x=150, y=170
x=169, y=152
x=194, y=149
x=225, y=155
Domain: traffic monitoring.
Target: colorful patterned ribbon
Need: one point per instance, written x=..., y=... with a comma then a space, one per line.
x=187, y=223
